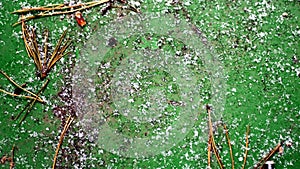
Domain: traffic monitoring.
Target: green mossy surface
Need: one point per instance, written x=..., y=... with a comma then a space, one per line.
x=255, y=42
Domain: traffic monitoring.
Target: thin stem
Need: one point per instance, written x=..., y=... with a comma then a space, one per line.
x=264, y=159
x=67, y=125
x=30, y=104
x=209, y=147
x=12, y=164
x=23, y=96
x=229, y=144
x=212, y=141
x=247, y=144
x=13, y=82
x=217, y=153
x=44, y=14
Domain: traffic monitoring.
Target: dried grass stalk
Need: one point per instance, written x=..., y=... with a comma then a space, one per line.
x=33, y=97
x=60, y=9
x=67, y=125
x=43, y=60
x=229, y=145
x=246, y=149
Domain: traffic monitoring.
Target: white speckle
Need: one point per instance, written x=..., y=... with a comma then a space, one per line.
x=233, y=89
x=240, y=158
x=284, y=14
x=130, y=100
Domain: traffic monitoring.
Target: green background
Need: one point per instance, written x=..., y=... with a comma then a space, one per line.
x=255, y=41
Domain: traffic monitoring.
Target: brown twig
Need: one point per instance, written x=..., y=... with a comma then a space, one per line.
x=43, y=64
x=60, y=9
x=209, y=150
x=11, y=163
x=270, y=154
x=229, y=144
x=30, y=104
x=211, y=141
x=247, y=144
x=20, y=87
x=67, y=125
x=210, y=132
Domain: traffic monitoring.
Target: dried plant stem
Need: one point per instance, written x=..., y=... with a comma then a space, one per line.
x=270, y=154
x=23, y=96
x=30, y=104
x=217, y=153
x=50, y=11
x=246, y=149
x=229, y=144
x=13, y=82
x=210, y=133
x=211, y=141
x=67, y=125
x=12, y=164
x=33, y=51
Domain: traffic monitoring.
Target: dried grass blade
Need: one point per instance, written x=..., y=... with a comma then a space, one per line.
x=46, y=46
x=31, y=46
x=246, y=149
x=37, y=56
x=57, y=47
x=217, y=153
x=229, y=145
x=13, y=82
x=23, y=96
x=12, y=164
x=211, y=139
x=264, y=159
x=61, y=54
x=43, y=14
x=30, y=104
x=67, y=125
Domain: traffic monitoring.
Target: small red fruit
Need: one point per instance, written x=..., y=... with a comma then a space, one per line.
x=80, y=20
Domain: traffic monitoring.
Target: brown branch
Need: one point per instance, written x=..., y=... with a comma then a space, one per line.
x=58, y=7
x=23, y=96
x=247, y=144
x=212, y=141
x=11, y=163
x=67, y=125
x=30, y=104
x=229, y=144
x=20, y=87
x=270, y=154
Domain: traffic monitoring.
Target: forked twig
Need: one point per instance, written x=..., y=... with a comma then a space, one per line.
x=28, y=107
x=20, y=87
x=67, y=125
x=229, y=144
x=247, y=144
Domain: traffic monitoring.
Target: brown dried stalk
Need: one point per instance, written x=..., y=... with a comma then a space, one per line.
x=229, y=144
x=29, y=106
x=59, y=9
x=12, y=164
x=43, y=60
x=211, y=141
x=270, y=154
x=33, y=97
x=247, y=144
x=67, y=125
